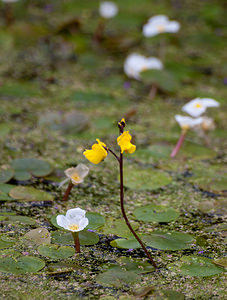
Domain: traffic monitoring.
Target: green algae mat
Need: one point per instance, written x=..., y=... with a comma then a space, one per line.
x=70, y=71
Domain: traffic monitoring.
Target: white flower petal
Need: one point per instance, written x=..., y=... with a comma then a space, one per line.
x=150, y=30
x=75, y=213
x=108, y=9
x=63, y=221
x=159, y=24
x=154, y=63
x=188, y=121
x=159, y=19
x=209, y=102
x=83, y=223
x=82, y=170
x=172, y=26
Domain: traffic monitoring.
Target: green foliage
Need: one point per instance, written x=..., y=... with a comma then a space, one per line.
x=21, y=265
x=39, y=236
x=56, y=252
x=195, y=266
x=96, y=220
x=86, y=238
x=118, y=227
x=28, y=193
x=6, y=242
x=117, y=278
x=25, y=168
x=155, y=213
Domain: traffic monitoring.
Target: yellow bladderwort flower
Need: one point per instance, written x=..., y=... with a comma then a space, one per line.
x=97, y=153
x=124, y=141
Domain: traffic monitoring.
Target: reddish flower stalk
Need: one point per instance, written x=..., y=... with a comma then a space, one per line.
x=76, y=241
x=67, y=192
x=179, y=144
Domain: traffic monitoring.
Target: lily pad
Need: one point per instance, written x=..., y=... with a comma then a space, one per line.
x=4, y=192
x=222, y=262
x=117, y=278
x=21, y=265
x=145, y=179
x=157, y=239
x=6, y=174
x=27, y=193
x=39, y=236
x=195, y=266
x=25, y=168
x=165, y=80
x=155, y=213
x=15, y=219
x=6, y=242
x=96, y=220
x=87, y=238
x=118, y=227
x=55, y=251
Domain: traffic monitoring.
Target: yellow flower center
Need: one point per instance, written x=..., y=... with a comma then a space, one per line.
x=73, y=227
x=75, y=177
x=198, y=105
x=161, y=28
x=185, y=127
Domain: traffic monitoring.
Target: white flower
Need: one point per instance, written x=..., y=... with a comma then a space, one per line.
x=187, y=122
x=74, y=220
x=76, y=175
x=108, y=9
x=136, y=63
x=198, y=106
x=159, y=24
x=207, y=124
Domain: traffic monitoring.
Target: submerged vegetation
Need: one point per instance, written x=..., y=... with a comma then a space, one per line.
x=70, y=70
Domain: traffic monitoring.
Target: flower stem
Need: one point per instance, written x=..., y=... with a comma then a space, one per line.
x=124, y=213
x=76, y=241
x=179, y=144
x=153, y=91
x=67, y=192
x=99, y=30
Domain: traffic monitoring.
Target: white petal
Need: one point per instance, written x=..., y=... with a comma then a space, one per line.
x=193, y=109
x=154, y=63
x=63, y=221
x=108, y=9
x=209, y=102
x=82, y=170
x=75, y=214
x=158, y=19
x=188, y=121
x=69, y=172
x=150, y=30
x=83, y=223
x=172, y=26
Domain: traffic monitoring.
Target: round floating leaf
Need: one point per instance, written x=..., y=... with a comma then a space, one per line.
x=9, y=253
x=118, y=227
x=6, y=242
x=96, y=220
x=56, y=252
x=170, y=240
x=125, y=243
x=117, y=278
x=196, y=151
x=28, y=193
x=6, y=174
x=91, y=97
x=21, y=265
x=86, y=238
x=39, y=236
x=195, y=266
x=155, y=213
x=15, y=219
x=221, y=262
x=136, y=265
x=26, y=167
x=162, y=78
x=4, y=190
x=145, y=179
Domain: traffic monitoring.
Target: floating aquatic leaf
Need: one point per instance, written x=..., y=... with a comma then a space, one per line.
x=55, y=251
x=6, y=242
x=118, y=227
x=155, y=213
x=15, y=219
x=96, y=220
x=86, y=238
x=117, y=278
x=6, y=174
x=91, y=97
x=130, y=243
x=221, y=262
x=154, y=152
x=196, y=151
x=28, y=193
x=4, y=192
x=39, y=236
x=21, y=265
x=162, y=78
x=62, y=267
x=145, y=179
x=195, y=266
x=9, y=253
x=25, y=168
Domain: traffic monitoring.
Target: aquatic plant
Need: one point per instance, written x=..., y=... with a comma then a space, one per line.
x=74, y=176
x=74, y=221
x=159, y=24
x=99, y=152
x=198, y=106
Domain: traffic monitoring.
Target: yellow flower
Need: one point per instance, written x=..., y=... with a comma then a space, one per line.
x=97, y=153
x=124, y=141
